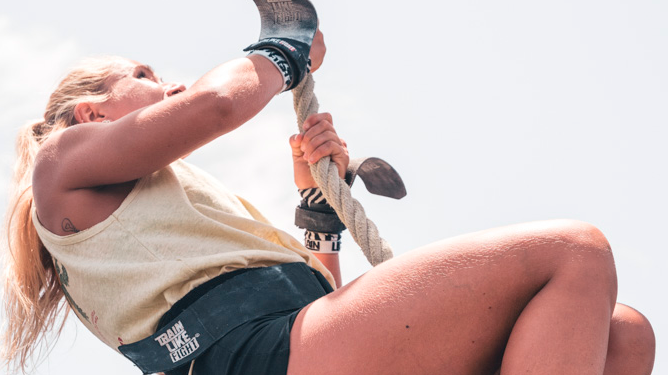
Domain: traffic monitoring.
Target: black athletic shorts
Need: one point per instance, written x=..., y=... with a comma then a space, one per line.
x=260, y=346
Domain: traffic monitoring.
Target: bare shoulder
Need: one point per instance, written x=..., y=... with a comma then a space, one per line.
x=52, y=158
x=62, y=209
x=50, y=163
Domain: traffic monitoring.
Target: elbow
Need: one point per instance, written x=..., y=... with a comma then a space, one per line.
x=230, y=111
x=226, y=113
x=214, y=107
x=237, y=91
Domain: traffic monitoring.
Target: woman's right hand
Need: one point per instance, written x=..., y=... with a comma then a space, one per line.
x=318, y=51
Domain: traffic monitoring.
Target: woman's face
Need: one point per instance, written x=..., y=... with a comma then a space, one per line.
x=137, y=87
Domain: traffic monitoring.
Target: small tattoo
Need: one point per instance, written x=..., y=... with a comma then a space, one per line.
x=68, y=226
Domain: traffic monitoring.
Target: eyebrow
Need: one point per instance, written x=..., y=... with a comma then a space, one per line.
x=145, y=67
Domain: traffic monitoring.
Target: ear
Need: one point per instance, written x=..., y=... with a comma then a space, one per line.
x=87, y=112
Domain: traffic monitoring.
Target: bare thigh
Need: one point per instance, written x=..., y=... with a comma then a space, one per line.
x=448, y=307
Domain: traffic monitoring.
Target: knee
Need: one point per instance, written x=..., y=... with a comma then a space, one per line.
x=567, y=243
x=583, y=236
x=585, y=252
x=632, y=339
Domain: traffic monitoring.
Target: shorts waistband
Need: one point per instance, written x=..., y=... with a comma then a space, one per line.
x=240, y=297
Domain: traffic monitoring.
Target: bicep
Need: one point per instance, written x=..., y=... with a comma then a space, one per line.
x=96, y=154
x=146, y=140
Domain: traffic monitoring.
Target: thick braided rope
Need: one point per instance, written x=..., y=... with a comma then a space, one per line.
x=335, y=189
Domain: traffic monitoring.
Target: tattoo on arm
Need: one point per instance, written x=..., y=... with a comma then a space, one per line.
x=67, y=226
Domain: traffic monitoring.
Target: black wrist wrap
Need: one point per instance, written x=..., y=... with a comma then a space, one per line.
x=318, y=218
x=294, y=51
x=316, y=215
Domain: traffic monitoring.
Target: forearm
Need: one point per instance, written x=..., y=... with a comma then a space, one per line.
x=241, y=87
x=323, y=229
x=331, y=262
x=152, y=137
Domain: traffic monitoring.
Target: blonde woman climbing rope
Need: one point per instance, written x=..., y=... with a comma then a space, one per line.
x=165, y=265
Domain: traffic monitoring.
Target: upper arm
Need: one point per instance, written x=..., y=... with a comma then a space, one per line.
x=96, y=154
x=148, y=139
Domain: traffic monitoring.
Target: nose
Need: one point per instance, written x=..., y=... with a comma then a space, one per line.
x=173, y=89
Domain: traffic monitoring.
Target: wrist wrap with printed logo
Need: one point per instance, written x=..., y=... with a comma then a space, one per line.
x=279, y=62
x=296, y=53
x=322, y=242
x=315, y=214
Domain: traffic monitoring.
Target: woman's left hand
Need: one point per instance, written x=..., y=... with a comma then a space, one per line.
x=318, y=51
x=319, y=139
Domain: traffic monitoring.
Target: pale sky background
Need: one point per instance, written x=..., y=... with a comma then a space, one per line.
x=494, y=112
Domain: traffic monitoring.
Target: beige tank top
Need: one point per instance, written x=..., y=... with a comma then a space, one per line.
x=178, y=228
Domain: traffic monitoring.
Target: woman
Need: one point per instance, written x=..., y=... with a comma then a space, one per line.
x=90, y=184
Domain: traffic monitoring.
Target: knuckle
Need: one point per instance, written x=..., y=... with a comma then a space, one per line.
x=308, y=149
x=331, y=145
x=308, y=137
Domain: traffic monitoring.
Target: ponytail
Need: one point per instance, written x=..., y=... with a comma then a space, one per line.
x=33, y=296
x=32, y=289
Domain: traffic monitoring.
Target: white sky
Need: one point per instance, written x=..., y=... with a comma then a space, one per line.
x=493, y=112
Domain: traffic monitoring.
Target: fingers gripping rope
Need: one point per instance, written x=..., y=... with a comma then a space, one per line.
x=335, y=189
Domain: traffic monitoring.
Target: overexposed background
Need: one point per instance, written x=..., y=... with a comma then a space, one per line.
x=493, y=112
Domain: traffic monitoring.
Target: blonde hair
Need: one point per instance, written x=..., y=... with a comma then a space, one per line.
x=33, y=294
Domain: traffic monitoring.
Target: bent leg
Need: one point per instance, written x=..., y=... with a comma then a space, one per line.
x=631, y=347
x=539, y=296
